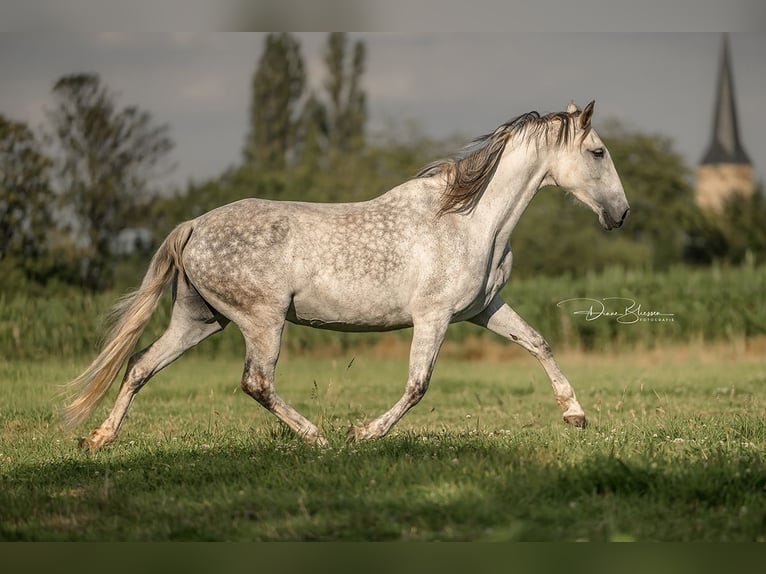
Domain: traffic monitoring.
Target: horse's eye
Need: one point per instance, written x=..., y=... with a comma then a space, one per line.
x=598, y=152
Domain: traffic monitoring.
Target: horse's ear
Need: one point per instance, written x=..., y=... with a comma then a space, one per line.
x=571, y=108
x=586, y=115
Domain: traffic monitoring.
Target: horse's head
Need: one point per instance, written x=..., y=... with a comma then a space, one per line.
x=584, y=168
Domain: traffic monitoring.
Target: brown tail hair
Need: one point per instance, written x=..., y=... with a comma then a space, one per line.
x=129, y=317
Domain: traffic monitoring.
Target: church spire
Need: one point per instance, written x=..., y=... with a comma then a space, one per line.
x=725, y=169
x=725, y=146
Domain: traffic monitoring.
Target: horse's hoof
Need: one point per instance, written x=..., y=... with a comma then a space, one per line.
x=95, y=441
x=578, y=421
x=354, y=434
x=359, y=433
x=86, y=444
x=319, y=441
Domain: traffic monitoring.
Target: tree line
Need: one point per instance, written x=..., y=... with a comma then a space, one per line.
x=72, y=191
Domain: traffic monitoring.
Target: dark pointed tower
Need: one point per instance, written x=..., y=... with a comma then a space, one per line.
x=725, y=167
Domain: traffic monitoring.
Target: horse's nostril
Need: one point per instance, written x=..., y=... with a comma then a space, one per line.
x=625, y=216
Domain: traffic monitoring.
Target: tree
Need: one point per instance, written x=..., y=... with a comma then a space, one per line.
x=278, y=86
x=735, y=235
x=744, y=226
x=107, y=157
x=26, y=198
x=348, y=101
x=313, y=134
x=656, y=182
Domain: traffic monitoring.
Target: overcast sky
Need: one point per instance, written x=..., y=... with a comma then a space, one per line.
x=467, y=83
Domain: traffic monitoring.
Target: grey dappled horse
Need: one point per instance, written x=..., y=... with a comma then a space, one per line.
x=430, y=252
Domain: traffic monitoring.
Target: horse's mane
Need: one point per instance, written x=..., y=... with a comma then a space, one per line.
x=469, y=170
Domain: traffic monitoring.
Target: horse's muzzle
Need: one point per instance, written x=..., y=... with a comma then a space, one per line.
x=609, y=222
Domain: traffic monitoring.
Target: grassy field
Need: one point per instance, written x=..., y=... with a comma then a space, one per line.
x=675, y=451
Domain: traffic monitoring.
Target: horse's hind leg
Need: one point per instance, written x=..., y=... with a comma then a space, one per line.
x=504, y=321
x=262, y=351
x=192, y=320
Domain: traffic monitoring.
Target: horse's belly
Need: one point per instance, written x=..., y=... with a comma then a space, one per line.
x=346, y=312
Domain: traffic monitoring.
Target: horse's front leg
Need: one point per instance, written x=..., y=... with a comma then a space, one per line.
x=501, y=319
x=427, y=338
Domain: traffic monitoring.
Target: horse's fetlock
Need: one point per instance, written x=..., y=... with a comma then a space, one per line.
x=543, y=348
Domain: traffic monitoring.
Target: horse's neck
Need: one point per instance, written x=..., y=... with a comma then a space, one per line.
x=519, y=174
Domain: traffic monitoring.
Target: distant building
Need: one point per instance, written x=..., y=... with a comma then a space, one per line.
x=725, y=168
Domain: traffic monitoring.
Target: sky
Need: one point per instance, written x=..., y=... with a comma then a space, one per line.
x=446, y=83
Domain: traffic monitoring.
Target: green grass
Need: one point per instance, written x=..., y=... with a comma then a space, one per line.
x=675, y=451
x=709, y=304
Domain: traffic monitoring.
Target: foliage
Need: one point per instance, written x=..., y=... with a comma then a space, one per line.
x=557, y=235
x=348, y=102
x=312, y=137
x=675, y=451
x=35, y=253
x=656, y=183
x=278, y=85
x=26, y=199
x=106, y=158
x=26, y=194
x=290, y=133
x=736, y=235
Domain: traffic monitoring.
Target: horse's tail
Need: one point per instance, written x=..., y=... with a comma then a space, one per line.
x=129, y=317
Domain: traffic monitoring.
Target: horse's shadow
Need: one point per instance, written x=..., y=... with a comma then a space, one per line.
x=405, y=486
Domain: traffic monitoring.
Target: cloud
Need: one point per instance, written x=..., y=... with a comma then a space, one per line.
x=207, y=89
